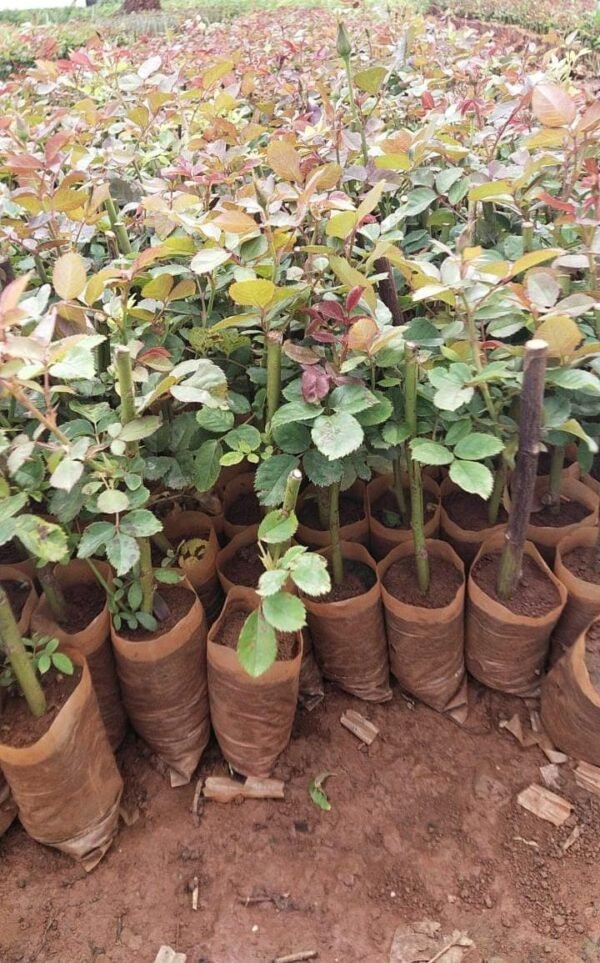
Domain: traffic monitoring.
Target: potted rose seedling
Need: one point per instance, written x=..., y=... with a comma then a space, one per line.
x=255, y=649
x=514, y=599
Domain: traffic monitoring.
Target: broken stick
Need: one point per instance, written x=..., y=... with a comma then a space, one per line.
x=359, y=726
x=588, y=777
x=545, y=804
x=297, y=957
x=223, y=789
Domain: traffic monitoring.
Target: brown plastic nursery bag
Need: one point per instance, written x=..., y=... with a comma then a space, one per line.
x=465, y=541
x=427, y=645
x=67, y=785
x=93, y=642
x=571, y=701
x=252, y=717
x=349, y=636
x=165, y=691
x=503, y=650
x=10, y=573
x=201, y=573
x=248, y=537
x=545, y=537
x=235, y=489
x=583, y=601
x=353, y=532
x=384, y=539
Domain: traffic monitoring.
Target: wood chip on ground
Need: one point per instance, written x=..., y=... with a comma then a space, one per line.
x=545, y=804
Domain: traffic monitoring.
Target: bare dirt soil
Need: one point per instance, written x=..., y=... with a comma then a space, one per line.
x=424, y=824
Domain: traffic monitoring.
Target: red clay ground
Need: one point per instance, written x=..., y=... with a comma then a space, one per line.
x=424, y=824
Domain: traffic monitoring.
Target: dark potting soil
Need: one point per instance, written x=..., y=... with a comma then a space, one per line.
x=536, y=594
x=582, y=563
x=358, y=579
x=386, y=507
x=84, y=604
x=470, y=512
x=245, y=510
x=245, y=567
x=400, y=580
x=545, y=463
x=229, y=633
x=17, y=593
x=570, y=513
x=18, y=727
x=592, y=655
x=179, y=600
x=351, y=510
x=10, y=554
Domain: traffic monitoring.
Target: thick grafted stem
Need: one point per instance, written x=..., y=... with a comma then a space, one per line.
x=399, y=489
x=417, y=522
x=53, y=592
x=20, y=662
x=337, y=561
x=387, y=290
x=146, y=575
x=497, y=492
x=290, y=498
x=524, y=479
x=118, y=226
x=273, y=340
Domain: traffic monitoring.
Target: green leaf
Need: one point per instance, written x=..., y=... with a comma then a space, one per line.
x=458, y=430
x=472, y=477
x=284, y=612
x=12, y=505
x=215, y=419
x=377, y=413
x=430, y=452
x=135, y=595
x=66, y=474
x=232, y=458
x=62, y=663
x=44, y=540
x=449, y=383
x=272, y=581
x=112, y=501
x=395, y=433
x=278, y=526
x=169, y=576
x=147, y=621
x=337, y=435
x=317, y=793
x=139, y=428
x=43, y=663
x=574, y=380
x=271, y=478
x=208, y=260
x=417, y=201
x=292, y=438
x=478, y=445
x=207, y=465
x=310, y=574
x=320, y=470
x=94, y=537
x=122, y=553
x=140, y=524
x=246, y=437
x=351, y=399
x=295, y=411
x=257, y=645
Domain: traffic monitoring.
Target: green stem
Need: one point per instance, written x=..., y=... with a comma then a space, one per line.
x=399, y=489
x=354, y=108
x=146, y=575
x=162, y=542
x=290, y=498
x=337, y=561
x=417, y=522
x=497, y=492
x=323, y=506
x=20, y=662
x=53, y=592
x=556, y=467
x=523, y=488
x=527, y=236
x=473, y=334
x=418, y=526
x=124, y=368
x=41, y=270
x=274, y=341
x=118, y=226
